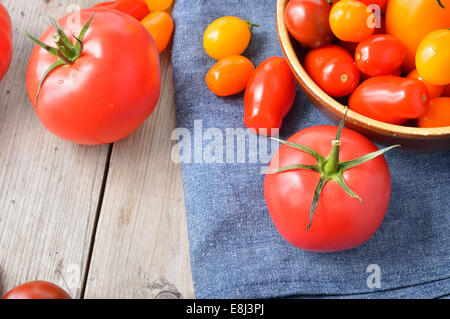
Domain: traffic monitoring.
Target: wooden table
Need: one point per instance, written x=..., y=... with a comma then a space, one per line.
x=101, y=222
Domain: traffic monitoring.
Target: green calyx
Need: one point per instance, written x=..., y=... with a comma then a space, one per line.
x=251, y=25
x=66, y=52
x=329, y=168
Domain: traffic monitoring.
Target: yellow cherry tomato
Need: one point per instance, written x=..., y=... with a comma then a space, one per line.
x=433, y=57
x=158, y=5
x=351, y=21
x=230, y=75
x=227, y=36
x=411, y=20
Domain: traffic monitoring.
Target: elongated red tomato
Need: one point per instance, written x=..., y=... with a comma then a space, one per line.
x=351, y=203
x=269, y=96
x=390, y=99
x=230, y=75
x=37, y=290
x=111, y=87
x=379, y=54
x=5, y=41
x=307, y=22
x=138, y=9
x=333, y=69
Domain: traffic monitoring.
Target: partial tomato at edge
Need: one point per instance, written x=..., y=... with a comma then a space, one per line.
x=6, y=49
x=269, y=96
x=138, y=9
x=333, y=69
x=229, y=75
x=37, y=290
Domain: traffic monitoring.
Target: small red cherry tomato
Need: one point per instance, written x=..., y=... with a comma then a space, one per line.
x=433, y=90
x=390, y=99
x=37, y=290
x=230, y=75
x=333, y=69
x=307, y=22
x=269, y=96
x=437, y=113
x=379, y=54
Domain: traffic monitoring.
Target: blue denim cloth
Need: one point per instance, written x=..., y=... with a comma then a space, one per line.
x=236, y=251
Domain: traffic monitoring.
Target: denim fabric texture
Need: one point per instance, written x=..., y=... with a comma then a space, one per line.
x=236, y=252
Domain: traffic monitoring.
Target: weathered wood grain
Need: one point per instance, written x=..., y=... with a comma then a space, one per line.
x=49, y=188
x=141, y=246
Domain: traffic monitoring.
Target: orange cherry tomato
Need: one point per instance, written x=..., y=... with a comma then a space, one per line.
x=437, y=113
x=230, y=75
x=351, y=20
x=160, y=26
x=159, y=5
x=434, y=90
x=411, y=20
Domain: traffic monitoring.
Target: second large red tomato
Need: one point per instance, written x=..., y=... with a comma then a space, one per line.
x=106, y=92
x=340, y=221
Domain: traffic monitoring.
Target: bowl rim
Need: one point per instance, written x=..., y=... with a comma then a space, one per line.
x=336, y=107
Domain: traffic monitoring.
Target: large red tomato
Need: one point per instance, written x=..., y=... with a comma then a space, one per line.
x=108, y=91
x=37, y=290
x=5, y=41
x=314, y=171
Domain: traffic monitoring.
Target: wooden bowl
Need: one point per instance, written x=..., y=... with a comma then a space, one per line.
x=413, y=138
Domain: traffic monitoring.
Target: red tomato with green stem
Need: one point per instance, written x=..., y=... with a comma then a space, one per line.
x=325, y=191
x=5, y=41
x=230, y=75
x=37, y=290
x=390, y=99
x=97, y=89
x=379, y=54
x=333, y=69
x=269, y=96
x=307, y=22
x=138, y=9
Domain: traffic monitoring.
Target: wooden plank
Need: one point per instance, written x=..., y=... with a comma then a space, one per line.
x=49, y=188
x=141, y=246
